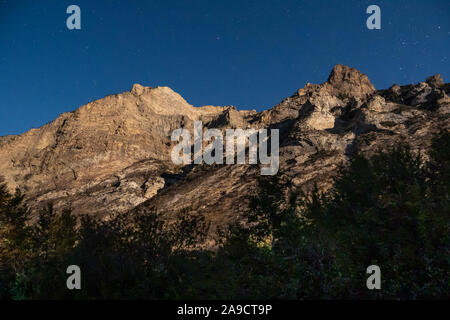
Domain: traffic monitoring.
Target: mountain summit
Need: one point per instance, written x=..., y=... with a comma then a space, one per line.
x=113, y=154
x=350, y=81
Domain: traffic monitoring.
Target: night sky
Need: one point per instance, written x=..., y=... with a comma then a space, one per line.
x=250, y=54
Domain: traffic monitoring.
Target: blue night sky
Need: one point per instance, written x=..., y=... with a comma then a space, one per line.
x=250, y=54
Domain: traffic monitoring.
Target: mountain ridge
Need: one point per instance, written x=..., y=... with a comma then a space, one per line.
x=112, y=155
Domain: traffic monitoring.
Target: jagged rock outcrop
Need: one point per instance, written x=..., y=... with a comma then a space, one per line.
x=345, y=81
x=113, y=154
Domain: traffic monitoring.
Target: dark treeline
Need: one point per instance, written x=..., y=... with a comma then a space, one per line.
x=390, y=210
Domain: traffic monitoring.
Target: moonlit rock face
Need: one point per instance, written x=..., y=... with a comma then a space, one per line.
x=113, y=154
x=93, y=149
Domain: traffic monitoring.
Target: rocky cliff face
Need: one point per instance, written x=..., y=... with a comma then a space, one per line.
x=113, y=154
x=107, y=156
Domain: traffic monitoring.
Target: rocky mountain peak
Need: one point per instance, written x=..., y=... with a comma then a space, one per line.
x=349, y=81
x=137, y=89
x=113, y=154
x=435, y=81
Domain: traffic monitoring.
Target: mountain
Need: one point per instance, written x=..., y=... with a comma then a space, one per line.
x=112, y=155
